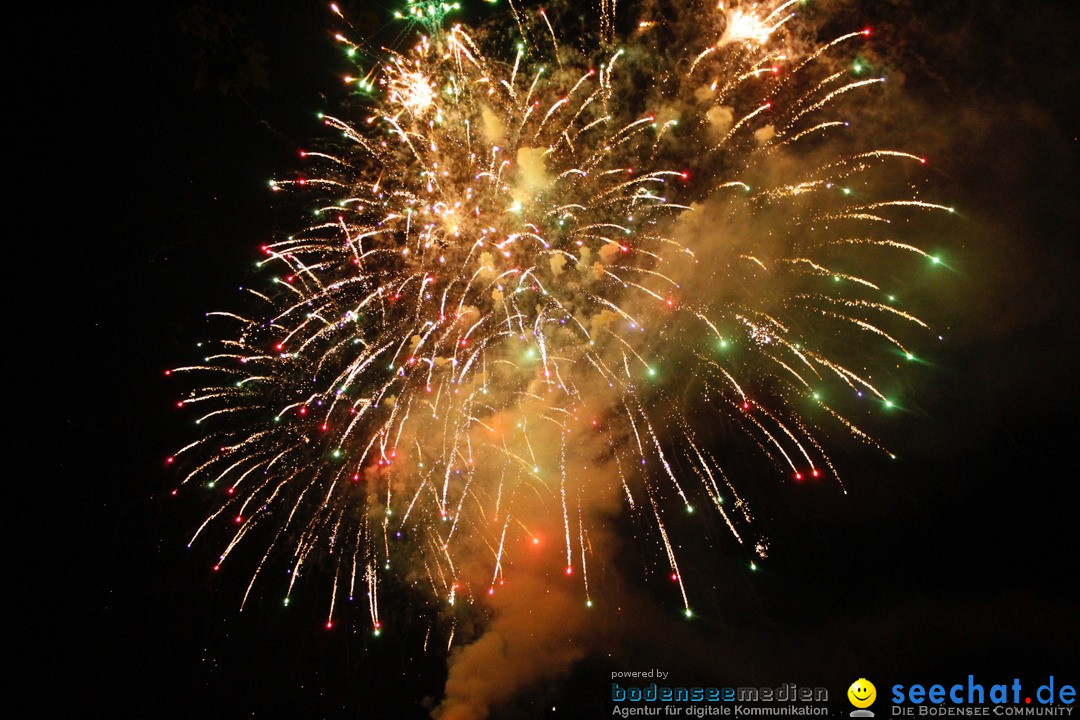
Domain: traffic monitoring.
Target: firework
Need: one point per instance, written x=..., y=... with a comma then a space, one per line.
x=538, y=280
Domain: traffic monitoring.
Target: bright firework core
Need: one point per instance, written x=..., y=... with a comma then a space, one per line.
x=518, y=310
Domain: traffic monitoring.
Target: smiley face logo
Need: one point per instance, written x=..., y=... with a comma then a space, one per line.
x=862, y=693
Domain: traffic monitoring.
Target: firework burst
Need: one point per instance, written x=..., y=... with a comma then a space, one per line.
x=531, y=285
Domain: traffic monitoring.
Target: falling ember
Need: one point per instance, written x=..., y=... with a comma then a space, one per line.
x=511, y=273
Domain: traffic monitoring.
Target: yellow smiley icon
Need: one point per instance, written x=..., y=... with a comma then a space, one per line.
x=862, y=693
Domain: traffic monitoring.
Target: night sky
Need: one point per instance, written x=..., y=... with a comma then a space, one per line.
x=147, y=150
